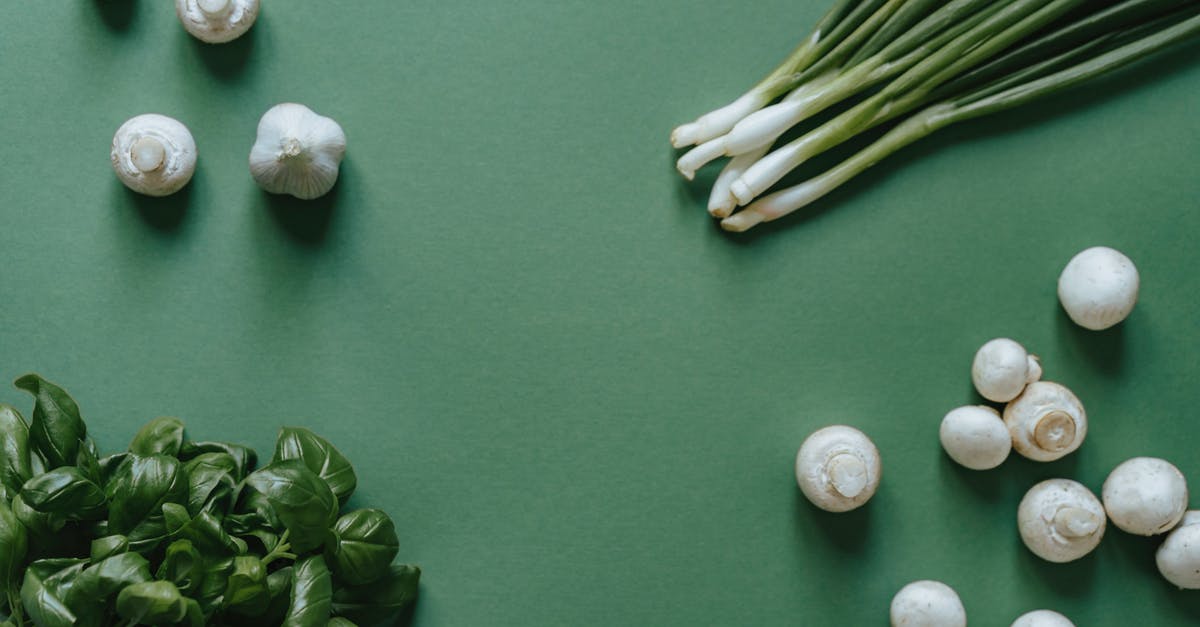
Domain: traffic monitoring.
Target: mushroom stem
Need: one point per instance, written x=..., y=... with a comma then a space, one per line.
x=147, y=154
x=1054, y=431
x=847, y=474
x=1076, y=522
x=214, y=8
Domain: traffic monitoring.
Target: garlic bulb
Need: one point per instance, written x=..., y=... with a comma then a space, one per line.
x=1046, y=421
x=153, y=154
x=216, y=21
x=1060, y=520
x=297, y=152
x=837, y=468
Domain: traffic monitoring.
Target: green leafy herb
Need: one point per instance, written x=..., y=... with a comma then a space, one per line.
x=161, y=436
x=182, y=566
x=320, y=456
x=381, y=601
x=363, y=547
x=42, y=604
x=246, y=590
x=304, y=503
x=212, y=482
x=244, y=457
x=57, y=429
x=15, y=468
x=152, y=603
x=65, y=491
x=13, y=545
x=138, y=489
x=312, y=590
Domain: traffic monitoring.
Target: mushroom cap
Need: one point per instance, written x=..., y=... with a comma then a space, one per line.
x=1043, y=618
x=1002, y=368
x=165, y=140
x=927, y=604
x=1060, y=520
x=976, y=437
x=1098, y=288
x=1046, y=421
x=1145, y=496
x=1178, y=557
x=227, y=25
x=838, y=468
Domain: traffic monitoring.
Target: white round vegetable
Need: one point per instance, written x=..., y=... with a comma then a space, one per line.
x=837, y=468
x=1002, y=368
x=976, y=437
x=1046, y=421
x=1098, y=288
x=1145, y=496
x=927, y=604
x=217, y=21
x=1179, y=556
x=153, y=154
x=297, y=152
x=1043, y=618
x=1060, y=520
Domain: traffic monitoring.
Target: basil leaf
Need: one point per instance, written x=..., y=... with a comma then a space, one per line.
x=211, y=482
x=365, y=545
x=108, y=546
x=253, y=511
x=212, y=588
x=243, y=456
x=303, y=502
x=38, y=523
x=204, y=531
x=139, y=488
x=338, y=621
x=246, y=591
x=109, y=465
x=312, y=591
x=195, y=614
x=320, y=456
x=14, y=544
x=65, y=491
x=279, y=585
x=381, y=601
x=152, y=603
x=42, y=605
x=161, y=436
x=57, y=429
x=182, y=565
x=95, y=586
x=88, y=462
x=15, y=468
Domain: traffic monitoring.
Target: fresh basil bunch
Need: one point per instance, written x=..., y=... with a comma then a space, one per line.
x=176, y=532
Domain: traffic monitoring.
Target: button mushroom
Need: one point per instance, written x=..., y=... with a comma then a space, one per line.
x=1098, y=288
x=1060, y=520
x=1046, y=421
x=1145, y=496
x=1043, y=618
x=153, y=154
x=927, y=604
x=1002, y=368
x=1179, y=556
x=837, y=468
x=976, y=437
x=217, y=21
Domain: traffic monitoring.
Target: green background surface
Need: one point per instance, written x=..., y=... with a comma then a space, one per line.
x=579, y=399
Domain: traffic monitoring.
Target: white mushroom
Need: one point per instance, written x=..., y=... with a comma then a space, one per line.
x=297, y=152
x=1179, y=556
x=927, y=604
x=976, y=437
x=1060, y=520
x=1098, y=288
x=1002, y=368
x=1145, y=496
x=1046, y=421
x=217, y=21
x=837, y=468
x=1043, y=618
x=153, y=154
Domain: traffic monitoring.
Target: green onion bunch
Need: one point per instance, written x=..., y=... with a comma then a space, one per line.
x=917, y=66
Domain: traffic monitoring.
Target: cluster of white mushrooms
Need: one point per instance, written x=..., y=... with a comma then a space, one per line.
x=1059, y=520
x=297, y=151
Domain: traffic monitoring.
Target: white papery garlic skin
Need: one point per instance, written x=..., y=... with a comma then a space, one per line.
x=1046, y=422
x=217, y=21
x=1179, y=556
x=1145, y=496
x=1002, y=368
x=297, y=152
x=927, y=604
x=837, y=468
x=153, y=154
x=1043, y=618
x=1060, y=520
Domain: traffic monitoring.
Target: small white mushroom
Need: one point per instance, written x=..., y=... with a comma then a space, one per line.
x=837, y=468
x=1060, y=520
x=1179, y=556
x=1098, y=288
x=1002, y=368
x=217, y=21
x=1043, y=618
x=1046, y=421
x=153, y=154
x=1145, y=496
x=297, y=152
x=976, y=437
x=927, y=604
